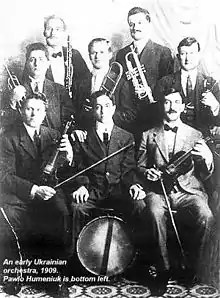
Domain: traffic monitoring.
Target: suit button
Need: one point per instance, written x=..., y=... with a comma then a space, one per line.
x=107, y=174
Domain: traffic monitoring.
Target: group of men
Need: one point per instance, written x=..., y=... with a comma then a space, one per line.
x=148, y=136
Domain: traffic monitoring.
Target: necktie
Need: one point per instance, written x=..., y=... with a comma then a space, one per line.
x=37, y=142
x=55, y=55
x=36, y=88
x=173, y=129
x=189, y=90
x=105, y=138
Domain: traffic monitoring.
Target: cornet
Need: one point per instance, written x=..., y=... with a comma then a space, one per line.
x=12, y=80
x=136, y=74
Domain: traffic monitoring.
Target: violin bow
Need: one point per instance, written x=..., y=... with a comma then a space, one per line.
x=94, y=165
x=183, y=263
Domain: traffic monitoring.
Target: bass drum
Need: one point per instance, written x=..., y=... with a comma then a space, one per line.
x=104, y=246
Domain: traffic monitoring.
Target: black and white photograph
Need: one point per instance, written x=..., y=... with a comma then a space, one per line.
x=110, y=149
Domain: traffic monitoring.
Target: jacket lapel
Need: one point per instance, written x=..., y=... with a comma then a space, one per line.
x=26, y=143
x=160, y=143
x=96, y=145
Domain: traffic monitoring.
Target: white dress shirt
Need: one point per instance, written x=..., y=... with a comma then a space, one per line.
x=57, y=66
x=38, y=82
x=103, y=127
x=184, y=76
x=97, y=78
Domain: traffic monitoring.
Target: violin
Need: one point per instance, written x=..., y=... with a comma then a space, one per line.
x=180, y=164
x=49, y=171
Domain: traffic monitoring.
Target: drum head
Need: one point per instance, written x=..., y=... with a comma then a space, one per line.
x=104, y=246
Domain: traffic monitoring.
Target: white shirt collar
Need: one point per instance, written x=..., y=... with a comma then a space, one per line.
x=31, y=130
x=140, y=44
x=177, y=123
x=102, y=127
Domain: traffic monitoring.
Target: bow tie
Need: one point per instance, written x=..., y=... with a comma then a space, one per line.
x=55, y=55
x=167, y=127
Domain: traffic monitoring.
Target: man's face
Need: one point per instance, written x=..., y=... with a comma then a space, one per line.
x=100, y=55
x=139, y=26
x=54, y=32
x=189, y=57
x=173, y=107
x=37, y=64
x=33, y=113
x=104, y=109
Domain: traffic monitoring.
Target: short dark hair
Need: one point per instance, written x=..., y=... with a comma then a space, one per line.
x=98, y=39
x=51, y=17
x=39, y=96
x=136, y=10
x=37, y=46
x=188, y=41
x=96, y=95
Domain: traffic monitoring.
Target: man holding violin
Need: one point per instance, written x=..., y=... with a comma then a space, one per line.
x=186, y=195
x=37, y=212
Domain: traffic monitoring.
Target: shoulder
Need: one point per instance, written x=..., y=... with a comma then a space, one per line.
x=160, y=47
x=123, y=51
x=191, y=132
x=121, y=132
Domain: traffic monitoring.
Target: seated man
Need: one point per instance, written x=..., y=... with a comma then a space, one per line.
x=59, y=105
x=187, y=195
x=113, y=181
x=39, y=214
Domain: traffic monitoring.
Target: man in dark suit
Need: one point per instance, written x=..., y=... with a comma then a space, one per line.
x=112, y=182
x=37, y=212
x=200, y=93
x=59, y=108
x=187, y=195
x=157, y=61
x=55, y=34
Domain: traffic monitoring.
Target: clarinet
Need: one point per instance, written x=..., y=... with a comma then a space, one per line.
x=69, y=71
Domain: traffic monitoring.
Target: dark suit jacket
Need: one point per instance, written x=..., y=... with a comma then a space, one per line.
x=80, y=69
x=158, y=62
x=153, y=152
x=203, y=114
x=59, y=105
x=20, y=163
x=118, y=172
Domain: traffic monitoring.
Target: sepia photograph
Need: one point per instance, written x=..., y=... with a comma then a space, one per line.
x=110, y=149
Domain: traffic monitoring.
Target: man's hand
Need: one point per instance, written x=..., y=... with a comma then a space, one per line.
x=81, y=195
x=203, y=151
x=44, y=192
x=153, y=174
x=80, y=134
x=210, y=101
x=17, y=94
x=65, y=146
x=136, y=192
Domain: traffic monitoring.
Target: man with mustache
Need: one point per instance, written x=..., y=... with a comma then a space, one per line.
x=186, y=194
x=157, y=61
x=56, y=37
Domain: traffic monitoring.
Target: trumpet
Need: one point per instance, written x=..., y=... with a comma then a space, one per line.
x=69, y=71
x=136, y=74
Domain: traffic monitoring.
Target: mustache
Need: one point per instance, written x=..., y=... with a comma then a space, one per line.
x=172, y=111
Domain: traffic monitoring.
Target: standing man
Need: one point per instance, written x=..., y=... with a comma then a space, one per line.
x=200, y=93
x=56, y=37
x=59, y=105
x=157, y=61
x=187, y=195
